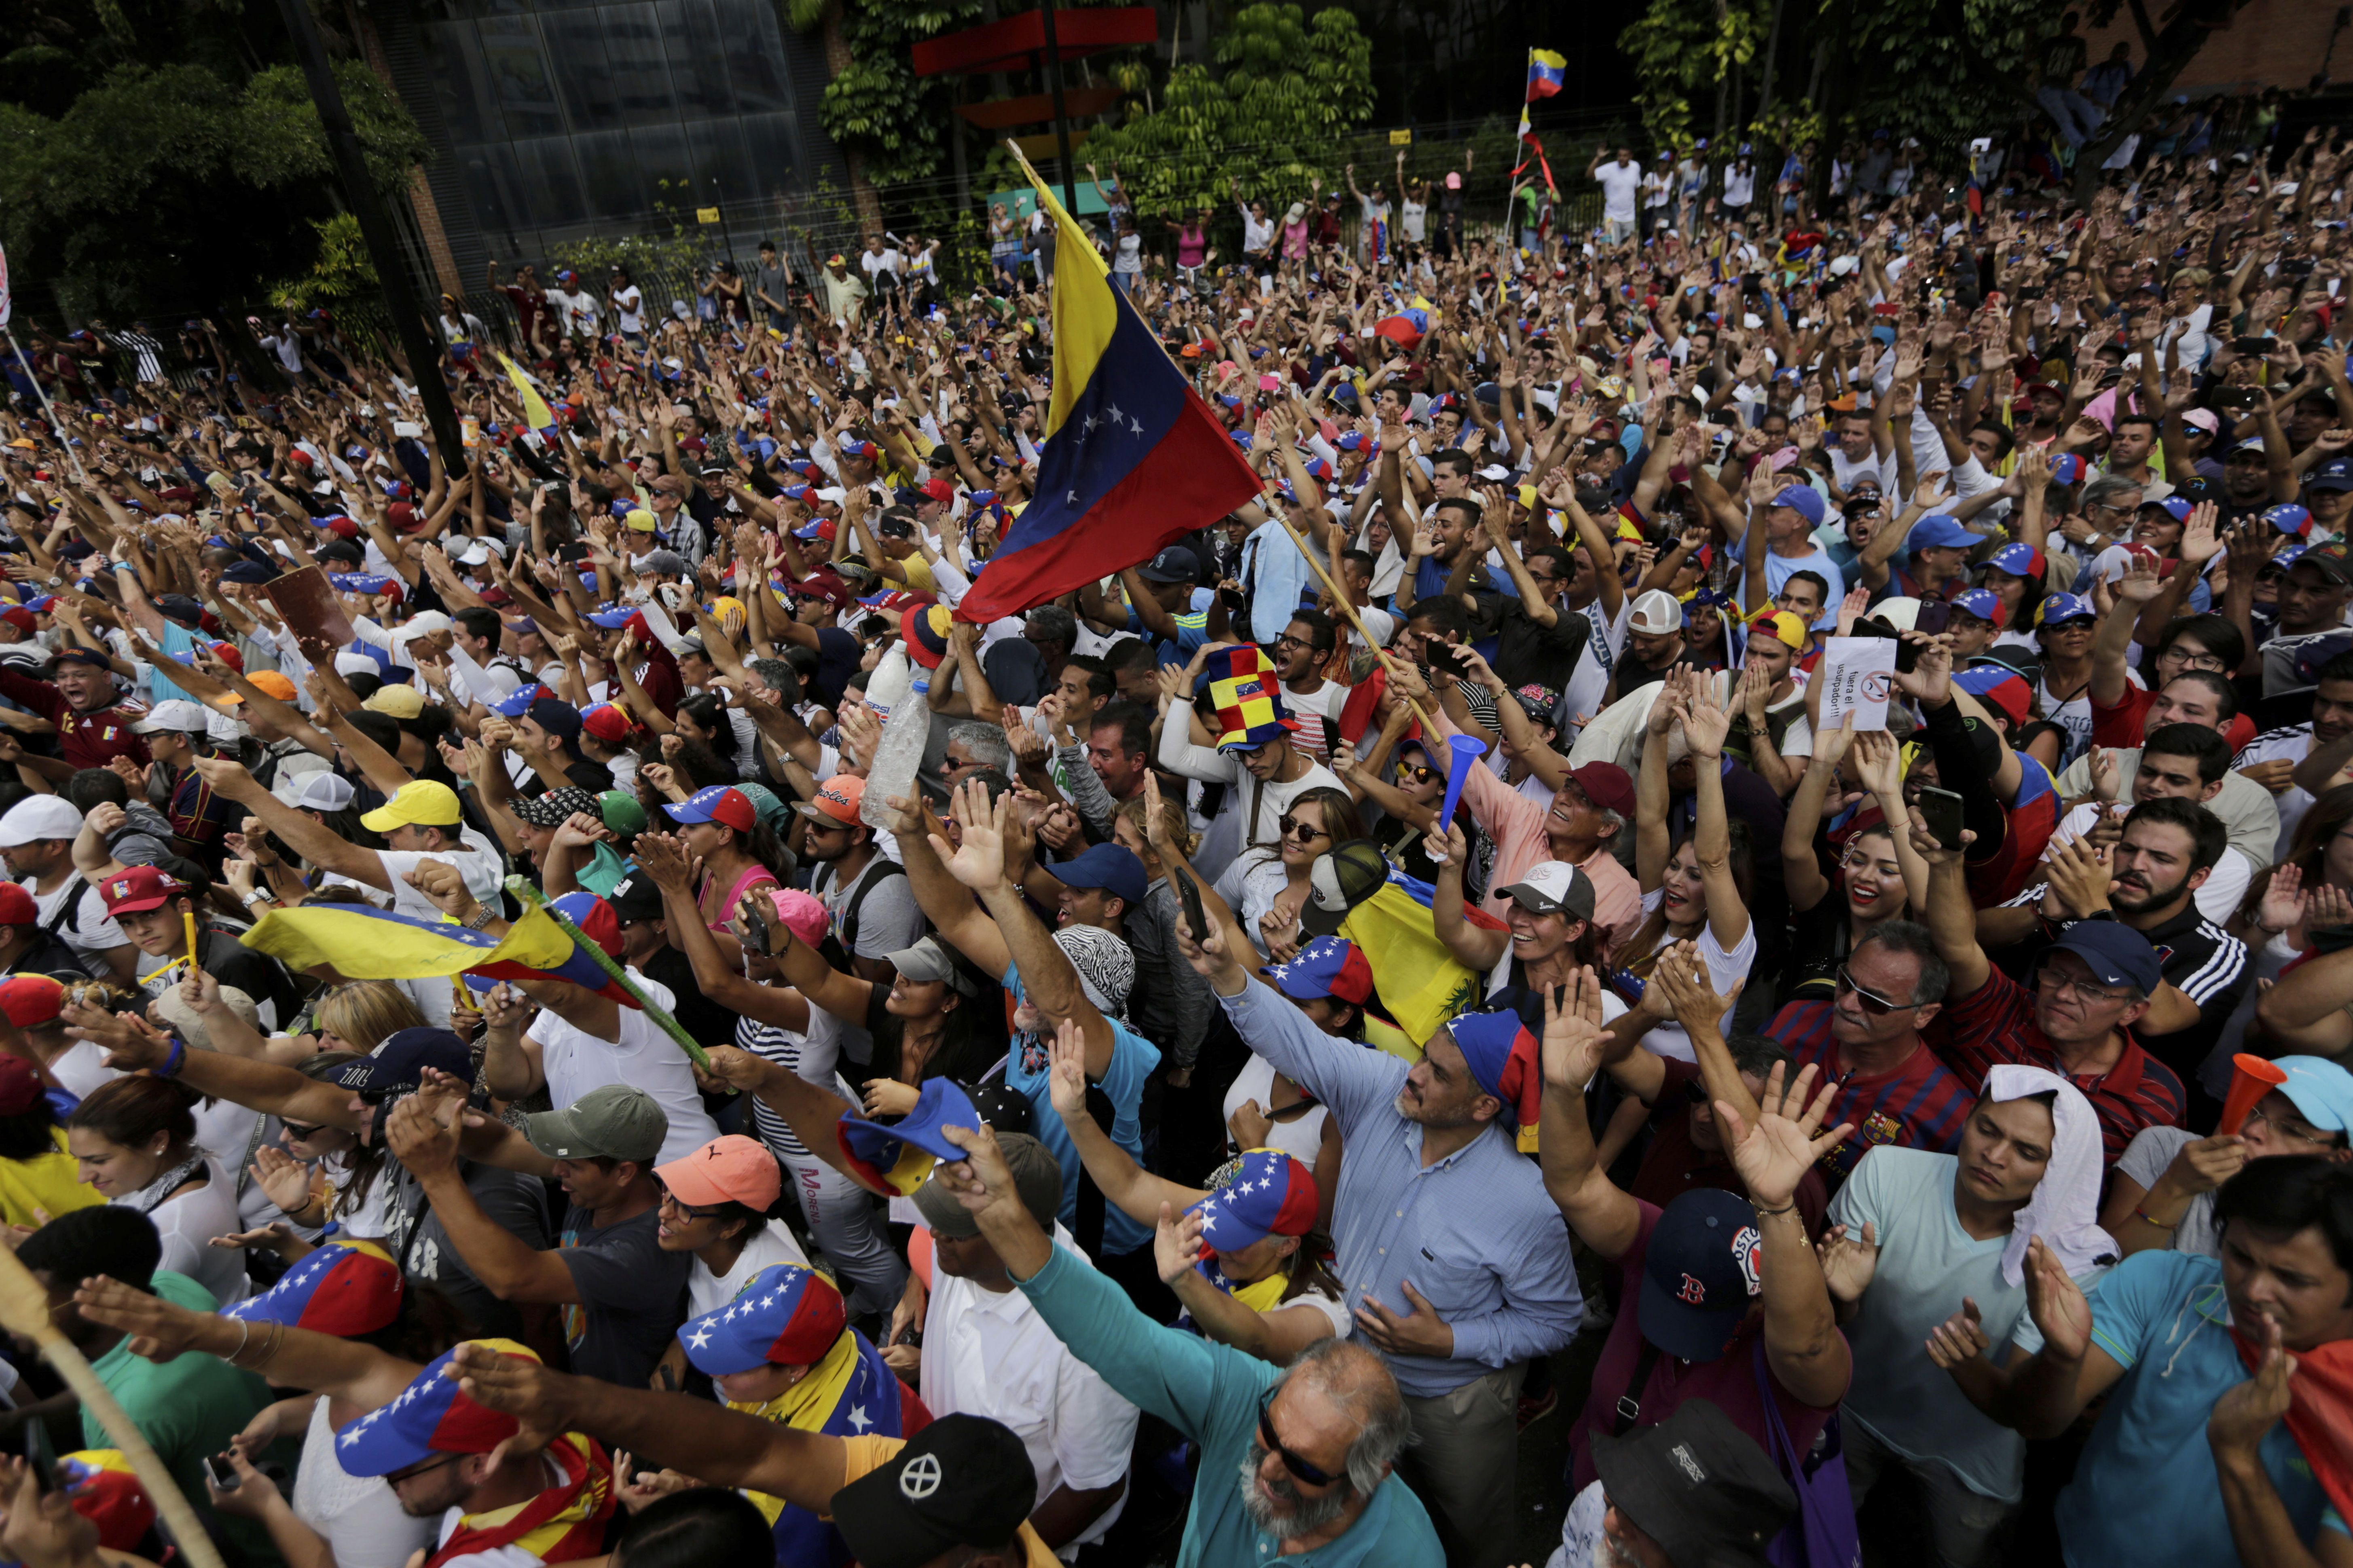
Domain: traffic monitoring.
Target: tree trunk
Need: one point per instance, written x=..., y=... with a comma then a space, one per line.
x=422, y=207
x=1772, y=53
x=863, y=193
x=2169, y=55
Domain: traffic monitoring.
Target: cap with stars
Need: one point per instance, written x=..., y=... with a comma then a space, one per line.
x=431, y=1416
x=899, y=1156
x=786, y=1316
x=1267, y=1193
x=343, y=1288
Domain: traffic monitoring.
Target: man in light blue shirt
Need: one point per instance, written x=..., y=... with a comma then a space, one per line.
x=1456, y=1264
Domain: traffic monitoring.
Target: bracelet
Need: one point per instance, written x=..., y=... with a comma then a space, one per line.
x=480, y=917
x=2142, y=1213
x=170, y=1067
x=244, y=1332
x=1789, y=1207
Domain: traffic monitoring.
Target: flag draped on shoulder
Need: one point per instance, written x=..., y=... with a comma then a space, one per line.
x=363, y=943
x=1419, y=982
x=1133, y=459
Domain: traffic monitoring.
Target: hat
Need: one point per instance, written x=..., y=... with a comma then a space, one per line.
x=2204, y=419
x=768, y=807
x=19, y=1087
x=2322, y=1090
x=79, y=655
x=1940, y=533
x=899, y=1155
x=964, y=1480
x=270, y=683
x=2018, y=559
x=140, y=889
x=837, y=801
x=1036, y=1180
x=2331, y=561
x=785, y=1315
x=323, y=789
x=2289, y=518
x=2061, y=607
x=2066, y=468
x=30, y=1000
x=399, y=1063
x=1328, y=966
x=1803, y=500
x=1174, y=564
x=399, y=702
x=1247, y=698
x=1781, y=626
x=556, y=807
x=638, y=521
x=37, y=817
x=1699, y=1274
x=2118, y=955
x=1105, y=963
x=104, y=1490
x=1983, y=603
x=1554, y=887
x=1112, y=868
x=826, y=585
x=177, y=717
x=606, y=722
x=593, y=918
x=616, y=1121
x=1656, y=613
x=2335, y=474
x=635, y=897
x=1997, y=688
x=1503, y=1054
x=16, y=906
x=432, y=1415
x=622, y=812
x=1341, y=879
x=662, y=562
x=723, y=804
x=1697, y=1484
x=1607, y=786
x=344, y=1288
x=420, y=802
x=928, y=962
x=730, y=1170
x=555, y=715
x=1264, y=1193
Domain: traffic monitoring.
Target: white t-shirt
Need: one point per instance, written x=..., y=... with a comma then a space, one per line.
x=1621, y=184
x=1301, y=1137
x=1603, y=644
x=707, y=1292
x=1669, y=1039
x=188, y=1224
x=1324, y=702
x=90, y=929
x=643, y=1058
x=359, y=1515
x=477, y=865
x=2145, y=1159
x=631, y=304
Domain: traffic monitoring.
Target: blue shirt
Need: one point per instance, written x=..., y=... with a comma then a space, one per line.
x=1779, y=569
x=1210, y=1392
x=1192, y=628
x=2146, y=1492
x=1029, y=1067
x=1475, y=1232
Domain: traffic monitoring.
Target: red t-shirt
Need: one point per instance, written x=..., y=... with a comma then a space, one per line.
x=89, y=740
x=1675, y=1165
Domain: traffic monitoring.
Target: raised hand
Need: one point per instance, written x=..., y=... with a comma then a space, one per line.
x=1176, y=1244
x=2056, y=1304
x=1774, y=1156
x=1959, y=1339
x=2251, y=1408
x=1574, y=1038
x=2282, y=908
x=1685, y=985
x=1068, y=1086
x=979, y=861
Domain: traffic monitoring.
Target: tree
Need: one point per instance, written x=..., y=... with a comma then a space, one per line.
x=2168, y=51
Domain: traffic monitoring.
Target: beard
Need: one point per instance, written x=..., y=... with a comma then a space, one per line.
x=2129, y=899
x=1307, y=1514
x=1607, y=1553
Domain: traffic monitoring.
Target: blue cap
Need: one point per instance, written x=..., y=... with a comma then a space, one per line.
x=1983, y=603
x=1265, y=1192
x=2066, y=468
x=1112, y=868
x=615, y=619
x=2118, y=955
x=1699, y=1274
x=2289, y=518
x=1803, y=500
x=1939, y=531
x=2175, y=507
x=516, y=703
x=1328, y=966
x=2018, y=559
x=246, y=571
x=401, y=1060
x=2321, y=1089
x=784, y=1315
x=898, y=1156
x=723, y=804
x=2335, y=474
x=2061, y=607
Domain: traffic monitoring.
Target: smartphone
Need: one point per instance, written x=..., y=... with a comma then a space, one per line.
x=221, y=1474
x=753, y=933
x=1231, y=598
x=1935, y=616
x=2254, y=345
x=1188, y=898
x=1940, y=814
x=2029, y=292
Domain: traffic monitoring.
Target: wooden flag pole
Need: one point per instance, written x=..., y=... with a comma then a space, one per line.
x=24, y=1310
x=532, y=897
x=1389, y=660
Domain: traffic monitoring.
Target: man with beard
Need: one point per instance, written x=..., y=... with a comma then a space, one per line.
x=2271, y=757
x=1300, y=655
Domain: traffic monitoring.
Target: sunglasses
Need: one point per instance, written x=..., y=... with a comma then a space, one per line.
x=1299, y=1468
x=1695, y=1090
x=1873, y=1003
x=1409, y=772
x=1292, y=828
x=296, y=1129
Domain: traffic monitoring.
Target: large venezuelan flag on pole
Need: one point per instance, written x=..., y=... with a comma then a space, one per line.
x=1133, y=459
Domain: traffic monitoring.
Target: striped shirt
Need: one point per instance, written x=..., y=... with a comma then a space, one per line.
x=787, y=1048
x=1995, y=1024
x=1919, y=1103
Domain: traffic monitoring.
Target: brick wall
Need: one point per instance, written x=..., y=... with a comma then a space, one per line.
x=2271, y=43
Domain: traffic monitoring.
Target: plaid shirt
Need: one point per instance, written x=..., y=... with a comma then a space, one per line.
x=1995, y=1024
x=1917, y=1104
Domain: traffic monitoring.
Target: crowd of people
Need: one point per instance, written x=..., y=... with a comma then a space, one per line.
x=1310, y=979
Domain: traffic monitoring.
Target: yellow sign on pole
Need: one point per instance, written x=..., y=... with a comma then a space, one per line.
x=706, y=214
x=1401, y=138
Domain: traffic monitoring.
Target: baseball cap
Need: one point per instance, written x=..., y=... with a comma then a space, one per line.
x=420, y=802
x=324, y=791
x=1174, y=564
x=2066, y=468
x=606, y=722
x=38, y=818
x=2335, y=474
x=140, y=889
x=2331, y=561
x=1554, y=887
x=31, y=999
x=723, y=804
x=837, y=801
x=1983, y=603
x=2117, y=954
x=733, y=1169
x=1036, y=1180
x=18, y=1086
x=2289, y=518
x=2322, y=1090
x=1607, y=786
x=105, y=1490
x=399, y=1063
x=1263, y=1192
x=177, y=717
x=2018, y=559
x=555, y=715
x=785, y=1314
x=622, y=812
x=2061, y=607
x=79, y=655
x=1699, y=1273
x=1940, y=533
x=964, y=1480
x=898, y=1156
x=1327, y=966
x=556, y=807
x=516, y=703
x=1112, y=868
x=16, y=906
x=1657, y=612
x=432, y=1415
x=343, y=1288
x=1803, y=500
x=635, y=897
x=927, y=962
x=399, y=701
x=1340, y=879
x=616, y=1121
x=1994, y=685
x=1697, y=1484
x=270, y=683
x=1780, y=626
x=2204, y=419
x=593, y=918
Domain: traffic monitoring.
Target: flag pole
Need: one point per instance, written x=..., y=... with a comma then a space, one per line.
x=42, y=393
x=532, y=897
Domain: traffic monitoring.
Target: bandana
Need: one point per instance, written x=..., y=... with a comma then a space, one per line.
x=564, y=1522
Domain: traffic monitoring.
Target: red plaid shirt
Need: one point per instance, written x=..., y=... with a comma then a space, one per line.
x=1995, y=1024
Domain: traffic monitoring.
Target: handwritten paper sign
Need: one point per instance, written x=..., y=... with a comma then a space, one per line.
x=1856, y=676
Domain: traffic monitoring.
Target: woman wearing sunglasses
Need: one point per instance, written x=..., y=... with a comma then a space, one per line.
x=1876, y=875
x=357, y=1198
x=1407, y=792
x=1268, y=886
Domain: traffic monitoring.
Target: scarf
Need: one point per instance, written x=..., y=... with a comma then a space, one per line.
x=147, y=1199
x=1261, y=1295
x=564, y=1522
x=850, y=1392
x=2320, y=1417
x=2065, y=1207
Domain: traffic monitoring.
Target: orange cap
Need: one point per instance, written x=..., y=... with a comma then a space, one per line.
x=732, y=1169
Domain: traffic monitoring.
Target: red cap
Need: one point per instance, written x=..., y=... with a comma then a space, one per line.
x=18, y=1086
x=16, y=906
x=939, y=490
x=229, y=656
x=606, y=722
x=23, y=619
x=401, y=515
x=31, y=999
x=140, y=889
x=1607, y=786
x=344, y=528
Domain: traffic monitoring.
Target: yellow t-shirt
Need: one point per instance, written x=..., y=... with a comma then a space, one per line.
x=35, y=1191
x=919, y=574
x=867, y=1455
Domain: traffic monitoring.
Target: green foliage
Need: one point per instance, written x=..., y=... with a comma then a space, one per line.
x=876, y=106
x=686, y=244
x=343, y=271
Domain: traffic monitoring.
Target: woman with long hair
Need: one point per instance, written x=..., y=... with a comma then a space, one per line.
x=1268, y=886
x=1879, y=875
x=134, y=1140
x=361, y=1015
x=352, y=1190
x=721, y=828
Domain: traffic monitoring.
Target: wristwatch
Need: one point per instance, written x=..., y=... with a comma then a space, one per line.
x=260, y=896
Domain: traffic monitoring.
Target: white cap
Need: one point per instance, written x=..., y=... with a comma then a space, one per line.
x=177, y=716
x=1657, y=612
x=349, y=663
x=423, y=623
x=324, y=791
x=37, y=817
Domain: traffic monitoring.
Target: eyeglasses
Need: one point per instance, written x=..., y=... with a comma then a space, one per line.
x=1872, y=1002
x=1287, y=640
x=2289, y=1129
x=1299, y=1468
x=422, y=1470
x=1292, y=828
x=2188, y=660
x=2057, y=982
x=669, y=1200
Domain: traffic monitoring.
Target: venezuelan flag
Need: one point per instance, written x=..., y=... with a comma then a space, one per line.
x=535, y=412
x=363, y=943
x=1421, y=983
x=1548, y=73
x=1133, y=459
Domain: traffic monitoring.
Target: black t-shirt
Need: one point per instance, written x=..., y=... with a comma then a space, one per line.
x=1527, y=651
x=232, y=962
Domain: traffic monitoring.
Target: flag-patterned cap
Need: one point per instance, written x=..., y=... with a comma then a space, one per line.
x=786, y=1315
x=1265, y=1192
x=899, y=1156
x=431, y=1416
x=1504, y=1058
x=103, y=1490
x=343, y=1288
x=1248, y=698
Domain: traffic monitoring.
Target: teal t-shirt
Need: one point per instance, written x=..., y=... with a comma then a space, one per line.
x=1028, y=1069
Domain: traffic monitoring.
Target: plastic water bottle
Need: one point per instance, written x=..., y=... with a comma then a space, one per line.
x=905, y=733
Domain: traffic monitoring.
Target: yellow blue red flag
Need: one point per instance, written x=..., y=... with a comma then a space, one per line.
x=1548, y=73
x=535, y=412
x=1133, y=459
x=363, y=943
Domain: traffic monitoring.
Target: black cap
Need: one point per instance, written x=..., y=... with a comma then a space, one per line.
x=558, y=806
x=1698, y=1486
x=635, y=897
x=400, y=1062
x=964, y=1480
x=1699, y=1274
x=1174, y=564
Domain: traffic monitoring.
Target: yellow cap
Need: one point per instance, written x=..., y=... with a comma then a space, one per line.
x=419, y=802
x=1783, y=625
x=399, y=701
x=640, y=519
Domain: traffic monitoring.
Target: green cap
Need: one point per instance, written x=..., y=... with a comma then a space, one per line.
x=622, y=812
x=767, y=808
x=617, y=1122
